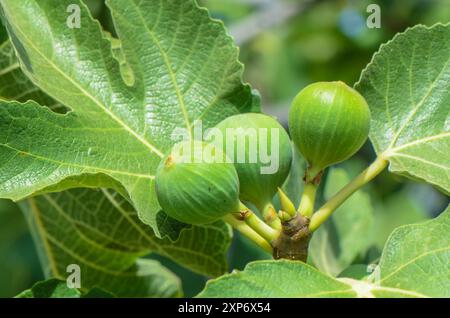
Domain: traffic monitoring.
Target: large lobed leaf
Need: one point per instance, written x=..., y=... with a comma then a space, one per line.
x=190, y=250
x=414, y=264
x=407, y=88
x=100, y=231
x=182, y=65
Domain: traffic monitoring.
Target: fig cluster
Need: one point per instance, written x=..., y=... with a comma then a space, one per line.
x=257, y=185
x=328, y=123
x=194, y=190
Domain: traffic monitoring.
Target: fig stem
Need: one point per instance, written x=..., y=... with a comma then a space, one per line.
x=306, y=207
x=260, y=227
x=257, y=224
x=270, y=216
x=322, y=214
x=248, y=232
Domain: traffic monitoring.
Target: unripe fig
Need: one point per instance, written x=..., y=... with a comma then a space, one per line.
x=263, y=161
x=328, y=122
x=194, y=190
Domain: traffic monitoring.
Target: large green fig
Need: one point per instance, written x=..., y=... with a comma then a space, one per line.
x=193, y=189
x=328, y=122
x=261, y=152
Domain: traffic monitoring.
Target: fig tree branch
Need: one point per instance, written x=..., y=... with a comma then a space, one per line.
x=322, y=214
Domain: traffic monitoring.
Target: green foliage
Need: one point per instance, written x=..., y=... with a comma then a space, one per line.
x=54, y=288
x=399, y=209
x=100, y=231
x=406, y=86
x=420, y=251
x=283, y=278
x=411, y=251
x=416, y=257
x=344, y=236
x=63, y=240
x=107, y=134
x=15, y=85
x=86, y=116
x=19, y=266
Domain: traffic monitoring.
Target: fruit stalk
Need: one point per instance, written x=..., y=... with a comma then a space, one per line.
x=256, y=224
x=327, y=209
x=312, y=180
x=306, y=207
x=248, y=232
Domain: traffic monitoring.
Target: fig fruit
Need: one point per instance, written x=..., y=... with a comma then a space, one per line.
x=194, y=190
x=328, y=123
x=261, y=152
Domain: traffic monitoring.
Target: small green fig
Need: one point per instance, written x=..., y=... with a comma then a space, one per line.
x=328, y=122
x=194, y=190
x=261, y=152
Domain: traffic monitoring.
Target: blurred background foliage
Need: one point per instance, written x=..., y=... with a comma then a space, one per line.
x=285, y=45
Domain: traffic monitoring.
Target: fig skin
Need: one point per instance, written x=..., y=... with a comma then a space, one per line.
x=256, y=187
x=328, y=122
x=197, y=192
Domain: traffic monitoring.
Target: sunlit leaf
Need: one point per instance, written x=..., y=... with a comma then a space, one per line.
x=407, y=88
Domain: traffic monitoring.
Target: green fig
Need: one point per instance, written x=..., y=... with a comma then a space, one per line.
x=261, y=152
x=194, y=190
x=328, y=122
